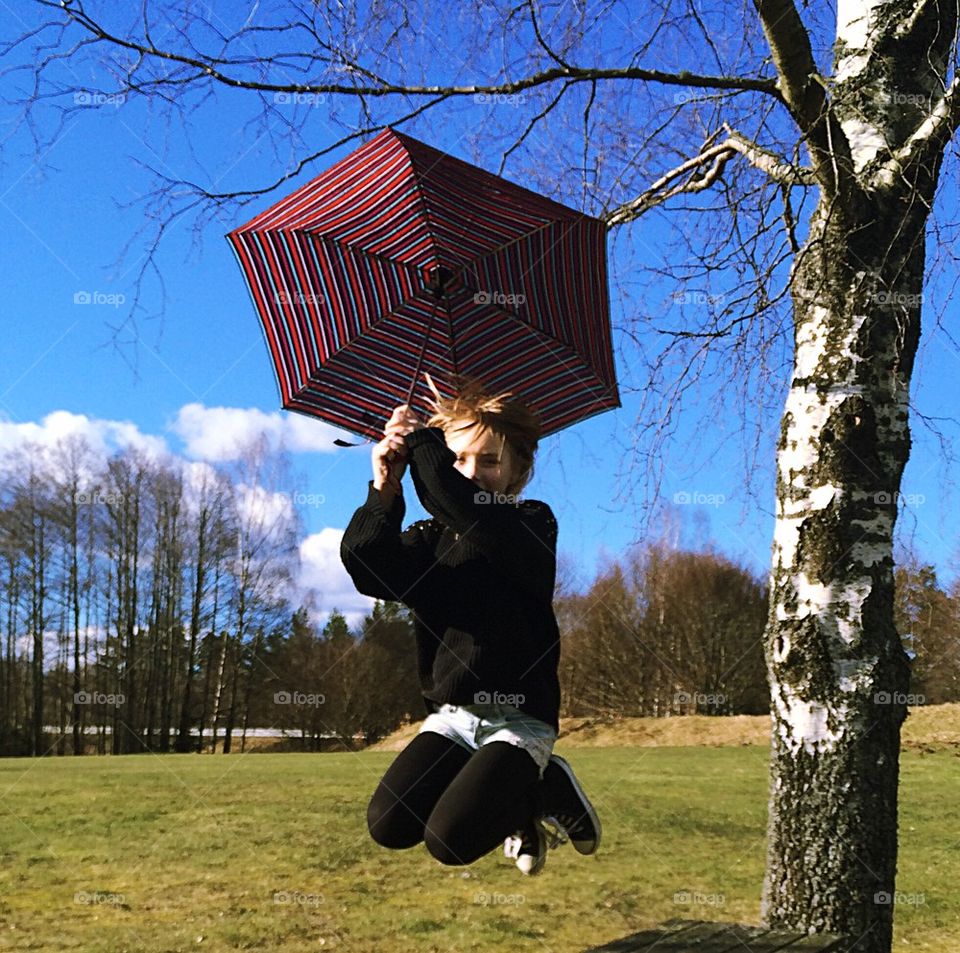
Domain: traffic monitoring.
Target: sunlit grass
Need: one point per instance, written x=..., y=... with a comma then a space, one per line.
x=270, y=852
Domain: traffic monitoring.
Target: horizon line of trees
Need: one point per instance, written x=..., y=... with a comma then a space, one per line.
x=169, y=588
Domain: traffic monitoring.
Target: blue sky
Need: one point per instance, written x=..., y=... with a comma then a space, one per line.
x=200, y=372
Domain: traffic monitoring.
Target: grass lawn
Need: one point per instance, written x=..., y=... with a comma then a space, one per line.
x=270, y=852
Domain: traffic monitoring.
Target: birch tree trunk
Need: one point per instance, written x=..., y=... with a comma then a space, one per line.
x=838, y=672
x=199, y=582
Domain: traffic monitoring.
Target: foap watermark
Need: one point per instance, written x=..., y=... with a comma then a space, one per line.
x=99, y=297
x=489, y=496
x=500, y=899
x=498, y=698
x=99, y=698
x=297, y=898
x=697, y=498
x=95, y=497
x=896, y=299
x=885, y=897
x=498, y=297
x=695, y=896
x=300, y=99
x=701, y=699
x=297, y=297
x=885, y=498
x=85, y=97
x=696, y=297
x=307, y=499
x=99, y=898
x=905, y=99
x=500, y=99
x=898, y=698
x=312, y=699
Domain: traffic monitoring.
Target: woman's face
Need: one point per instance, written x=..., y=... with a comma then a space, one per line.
x=484, y=458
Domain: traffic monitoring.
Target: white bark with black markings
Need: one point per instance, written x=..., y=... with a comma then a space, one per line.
x=838, y=672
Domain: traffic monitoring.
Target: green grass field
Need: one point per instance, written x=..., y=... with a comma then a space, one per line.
x=270, y=852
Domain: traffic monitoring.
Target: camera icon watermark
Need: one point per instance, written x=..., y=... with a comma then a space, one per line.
x=99, y=698
x=95, y=497
x=889, y=300
x=700, y=699
x=300, y=99
x=696, y=897
x=482, y=497
x=885, y=897
x=99, y=297
x=697, y=498
x=499, y=698
x=905, y=99
x=898, y=698
x=500, y=99
x=498, y=298
x=499, y=899
x=885, y=498
x=311, y=699
x=297, y=898
x=697, y=298
x=84, y=97
x=99, y=898
x=297, y=297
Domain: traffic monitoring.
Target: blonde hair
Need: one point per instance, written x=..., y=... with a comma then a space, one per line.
x=509, y=418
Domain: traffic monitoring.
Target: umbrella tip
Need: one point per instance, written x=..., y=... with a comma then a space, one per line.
x=437, y=278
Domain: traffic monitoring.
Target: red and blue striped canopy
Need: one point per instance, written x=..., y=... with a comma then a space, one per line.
x=349, y=271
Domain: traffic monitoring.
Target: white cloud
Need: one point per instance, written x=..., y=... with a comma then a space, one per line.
x=322, y=571
x=259, y=507
x=217, y=433
x=103, y=436
x=210, y=435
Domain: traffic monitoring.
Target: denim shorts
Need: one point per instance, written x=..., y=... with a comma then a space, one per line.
x=476, y=725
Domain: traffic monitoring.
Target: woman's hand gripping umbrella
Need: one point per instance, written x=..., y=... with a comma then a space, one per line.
x=390, y=454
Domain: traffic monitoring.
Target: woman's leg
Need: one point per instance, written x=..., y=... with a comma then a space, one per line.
x=493, y=796
x=410, y=789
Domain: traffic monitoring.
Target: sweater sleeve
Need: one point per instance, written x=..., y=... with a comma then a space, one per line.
x=519, y=539
x=382, y=561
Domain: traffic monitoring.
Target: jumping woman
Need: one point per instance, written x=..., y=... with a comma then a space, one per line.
x=478, y=578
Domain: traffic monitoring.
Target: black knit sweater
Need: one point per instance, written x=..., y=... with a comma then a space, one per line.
x=478, y=578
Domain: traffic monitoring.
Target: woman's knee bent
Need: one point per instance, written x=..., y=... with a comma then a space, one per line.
x=452, y=847
x=390, y=822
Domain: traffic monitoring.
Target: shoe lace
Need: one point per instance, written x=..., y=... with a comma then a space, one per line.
x=527, y=842
x=555, y=829
x=512, y=846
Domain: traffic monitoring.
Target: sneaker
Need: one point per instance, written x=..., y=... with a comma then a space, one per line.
x=528, y=848
x=566, y=808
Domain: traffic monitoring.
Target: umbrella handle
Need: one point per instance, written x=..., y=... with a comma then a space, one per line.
x=437, y=288
x=423, y=350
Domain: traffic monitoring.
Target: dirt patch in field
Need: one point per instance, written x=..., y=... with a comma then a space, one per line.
x=927, y=728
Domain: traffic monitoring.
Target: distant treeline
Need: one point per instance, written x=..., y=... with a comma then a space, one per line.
x=149, y=605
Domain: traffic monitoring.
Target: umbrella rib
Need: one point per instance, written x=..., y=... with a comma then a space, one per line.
x=355, y=250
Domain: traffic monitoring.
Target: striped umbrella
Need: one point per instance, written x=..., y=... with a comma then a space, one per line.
x=401, y=257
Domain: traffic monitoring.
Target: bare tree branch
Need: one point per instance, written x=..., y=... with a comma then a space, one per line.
x=929, y=139
x=717, y=156
x=210, y=67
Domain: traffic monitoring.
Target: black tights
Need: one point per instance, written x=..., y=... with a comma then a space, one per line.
x=460, y=803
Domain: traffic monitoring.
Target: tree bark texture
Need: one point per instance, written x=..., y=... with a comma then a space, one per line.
x=838, y=672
